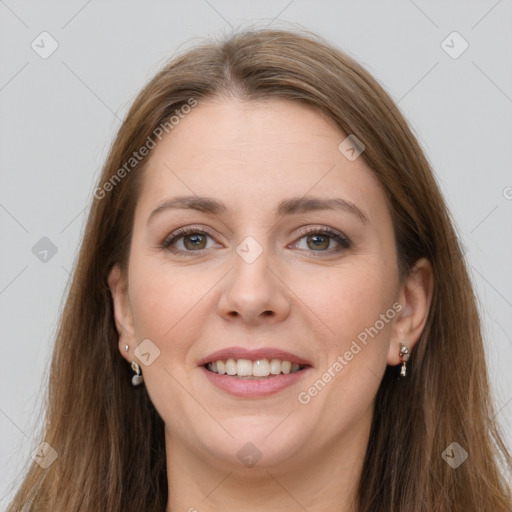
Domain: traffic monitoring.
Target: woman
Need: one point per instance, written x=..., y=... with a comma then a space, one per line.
x=270, y=310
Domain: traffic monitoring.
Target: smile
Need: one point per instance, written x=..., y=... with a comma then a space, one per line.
x=255, y=373
x=245, y=368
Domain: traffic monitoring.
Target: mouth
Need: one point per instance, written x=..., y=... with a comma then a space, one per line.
x=253, y=373
x=251, y=370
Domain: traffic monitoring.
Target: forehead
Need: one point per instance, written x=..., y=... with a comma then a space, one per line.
x=232, y=128
x=257, y=152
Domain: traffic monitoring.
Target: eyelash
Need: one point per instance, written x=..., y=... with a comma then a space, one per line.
x=343, y=241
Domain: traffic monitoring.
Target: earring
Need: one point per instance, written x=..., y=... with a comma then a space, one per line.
x=126, y=348
x=404, y=357
x=137, y=378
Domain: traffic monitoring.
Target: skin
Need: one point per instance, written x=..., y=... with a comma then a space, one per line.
x=296, y=296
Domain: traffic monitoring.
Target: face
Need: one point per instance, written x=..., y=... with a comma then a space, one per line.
x=286, y=275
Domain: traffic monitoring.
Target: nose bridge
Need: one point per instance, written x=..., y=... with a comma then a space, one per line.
x=252, y=290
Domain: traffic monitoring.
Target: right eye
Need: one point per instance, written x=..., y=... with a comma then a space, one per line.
x=192, y=240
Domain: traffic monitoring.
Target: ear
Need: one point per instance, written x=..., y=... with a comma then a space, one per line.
x=415, y=297
x=123, y=317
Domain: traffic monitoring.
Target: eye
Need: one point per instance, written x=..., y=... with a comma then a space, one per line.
x=319, y=240
x=191, y=240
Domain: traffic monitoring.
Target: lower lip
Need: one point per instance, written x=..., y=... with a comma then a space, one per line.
x=253, y=388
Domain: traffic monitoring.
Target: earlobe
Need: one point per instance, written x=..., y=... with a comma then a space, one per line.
x=415, y=296
x=122, y=310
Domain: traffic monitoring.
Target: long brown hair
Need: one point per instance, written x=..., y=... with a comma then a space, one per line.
x=107, y=434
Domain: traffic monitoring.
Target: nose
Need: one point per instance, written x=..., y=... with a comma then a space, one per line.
x=254, y=291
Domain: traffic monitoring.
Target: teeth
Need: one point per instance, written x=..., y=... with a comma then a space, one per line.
x=261, y=368
x=286, y=367
x=275, y=366
x=230, y=367
x=248, y=368
x=243, y=367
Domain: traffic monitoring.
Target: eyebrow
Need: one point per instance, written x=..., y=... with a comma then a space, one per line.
x=291, y=206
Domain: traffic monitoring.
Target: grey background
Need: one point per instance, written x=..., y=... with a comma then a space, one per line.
x=59, y=114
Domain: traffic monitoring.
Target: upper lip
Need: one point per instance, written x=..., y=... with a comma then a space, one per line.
x=252, y=355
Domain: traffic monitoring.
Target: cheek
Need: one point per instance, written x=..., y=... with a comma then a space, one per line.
x=169, y=308
x=359, y=310
x=164, y=301
x=349, y=300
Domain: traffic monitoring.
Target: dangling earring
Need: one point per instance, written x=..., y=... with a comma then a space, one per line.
x=404, y=357
x=137, y=379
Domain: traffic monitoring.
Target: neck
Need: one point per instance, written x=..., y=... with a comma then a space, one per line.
x=319, y=480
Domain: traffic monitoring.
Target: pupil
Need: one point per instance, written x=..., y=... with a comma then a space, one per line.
x=195, y=240
x=318, y=239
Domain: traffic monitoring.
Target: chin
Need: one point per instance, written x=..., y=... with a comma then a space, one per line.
x=257, y=442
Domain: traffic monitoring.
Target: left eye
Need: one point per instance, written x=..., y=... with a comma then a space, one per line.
x=321, y=240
